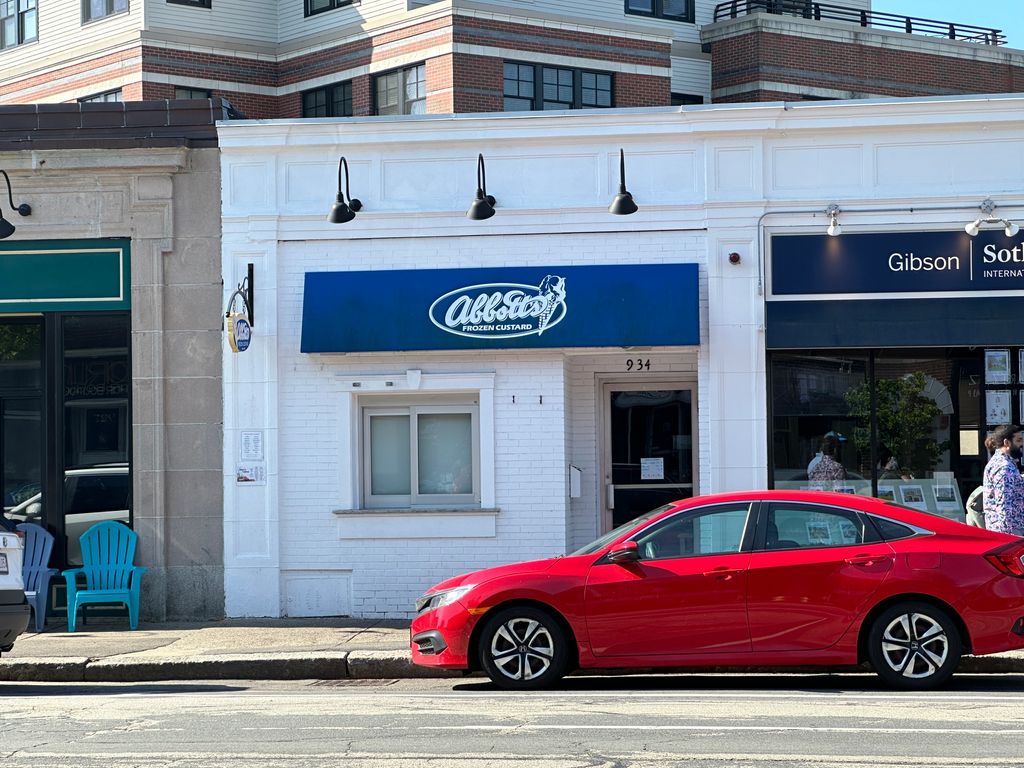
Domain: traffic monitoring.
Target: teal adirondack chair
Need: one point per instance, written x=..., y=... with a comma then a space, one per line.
x=36, y=571
x=108, y=549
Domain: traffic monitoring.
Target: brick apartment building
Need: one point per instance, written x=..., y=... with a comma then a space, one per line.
x=333, y=58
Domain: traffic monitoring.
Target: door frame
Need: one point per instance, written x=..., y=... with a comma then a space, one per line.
x=646, y=383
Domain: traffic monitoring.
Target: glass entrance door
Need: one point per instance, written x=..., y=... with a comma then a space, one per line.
x=650, y=448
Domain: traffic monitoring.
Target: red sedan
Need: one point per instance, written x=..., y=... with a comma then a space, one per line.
x=771, y=578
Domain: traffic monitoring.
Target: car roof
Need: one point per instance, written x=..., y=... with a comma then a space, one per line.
x=867, y=504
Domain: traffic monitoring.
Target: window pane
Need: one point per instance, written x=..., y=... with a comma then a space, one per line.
x=642, y=6
x=314, y=103
x=389, y=456
x=21, y=355
x=674, y=8
x=21, y=432
x=809, y=411
x=444, y=447
x=120, y=5
x=518, y=105
x=97, y=8
x=341, y=104
x=806, y=527
x=319, y=5
x=686, y=535
x=97, y=387
x=387, y=94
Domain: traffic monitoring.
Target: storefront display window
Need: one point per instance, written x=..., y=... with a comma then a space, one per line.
x=908, y=423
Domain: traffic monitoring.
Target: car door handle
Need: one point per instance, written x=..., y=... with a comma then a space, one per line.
x=868, y=559
x=724, y=574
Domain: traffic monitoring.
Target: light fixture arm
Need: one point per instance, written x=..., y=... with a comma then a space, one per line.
x=622, y=172
x=355, y=205
x=24, y=209
x=481, y=178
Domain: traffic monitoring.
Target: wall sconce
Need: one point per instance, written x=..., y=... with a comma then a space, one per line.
x=988, y=207
x=623, y=204
x=483, y=206
x=343, y=212
x=6, y=228
x=834, y=228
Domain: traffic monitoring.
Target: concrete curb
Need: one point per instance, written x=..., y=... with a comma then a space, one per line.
x=366, y=665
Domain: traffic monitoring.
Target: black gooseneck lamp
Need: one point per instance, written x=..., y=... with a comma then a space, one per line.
x=623, y=204
x=6, y=228
x=483, y=206
x=342, y=212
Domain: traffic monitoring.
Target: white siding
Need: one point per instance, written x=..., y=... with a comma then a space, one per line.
x=63, y=38
x=691, y=76
x=294, y=25
x=254, y=21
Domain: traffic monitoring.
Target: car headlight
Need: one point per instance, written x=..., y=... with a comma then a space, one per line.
x=433, y=600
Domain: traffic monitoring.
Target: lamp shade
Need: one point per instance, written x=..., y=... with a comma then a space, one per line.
x=623, y=205
x=482, y=207
x=972, y=228
x=340, y=212
x=6, y=228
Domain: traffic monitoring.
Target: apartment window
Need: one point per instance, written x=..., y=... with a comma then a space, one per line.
x=677, y=10
x=537, y=87
x=193, y=3
x=403, y=92
x=98, y=9
x=18, y=22
x=319, y=6
x=332, y=101
x=190, y=93
x=105, y=96
x=421, y=454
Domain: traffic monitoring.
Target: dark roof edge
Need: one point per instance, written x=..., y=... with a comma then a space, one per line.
x=81, y=125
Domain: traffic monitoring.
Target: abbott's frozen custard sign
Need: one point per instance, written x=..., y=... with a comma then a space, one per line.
x=501, y=310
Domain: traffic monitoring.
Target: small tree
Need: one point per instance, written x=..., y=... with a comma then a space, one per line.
x=906, y=417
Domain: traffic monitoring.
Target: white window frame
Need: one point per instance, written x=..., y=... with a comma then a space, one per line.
x=408, y=386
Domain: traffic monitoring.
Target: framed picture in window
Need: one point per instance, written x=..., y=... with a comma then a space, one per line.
x=913, y=496
x=997, y=407
x=997, y=366
x=887, y=492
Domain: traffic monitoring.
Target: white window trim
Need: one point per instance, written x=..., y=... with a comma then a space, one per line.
x=410, y=382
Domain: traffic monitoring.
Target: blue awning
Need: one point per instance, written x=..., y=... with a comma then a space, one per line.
x=501, y=308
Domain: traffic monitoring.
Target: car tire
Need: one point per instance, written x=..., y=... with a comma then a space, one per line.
x=914, y=646
x=523, y=648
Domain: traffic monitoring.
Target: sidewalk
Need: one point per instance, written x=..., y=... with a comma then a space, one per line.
x=105, y=650
x=253, y=649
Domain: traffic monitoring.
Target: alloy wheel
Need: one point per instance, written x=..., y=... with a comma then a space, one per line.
x=915, y=645
x=522, y=649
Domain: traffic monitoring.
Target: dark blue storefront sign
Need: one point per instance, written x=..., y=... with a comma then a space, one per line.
x=501, y=308
x=896, y=262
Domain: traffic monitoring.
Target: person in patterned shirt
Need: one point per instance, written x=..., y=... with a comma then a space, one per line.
x=1004, y=487
x=828, y=469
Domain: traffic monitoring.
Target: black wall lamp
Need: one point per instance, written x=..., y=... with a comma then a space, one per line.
x=623, y=204
x=6, y=228
x=343, y=212
x=483, y=206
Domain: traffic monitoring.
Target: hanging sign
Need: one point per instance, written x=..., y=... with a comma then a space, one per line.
x=239, y=332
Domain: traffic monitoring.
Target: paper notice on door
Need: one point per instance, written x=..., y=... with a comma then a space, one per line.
x=652, y=469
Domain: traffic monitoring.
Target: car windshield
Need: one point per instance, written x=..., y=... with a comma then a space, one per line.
x=611, y=536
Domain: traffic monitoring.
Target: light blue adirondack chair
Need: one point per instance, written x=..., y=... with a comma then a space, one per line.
x=36, y=570
x=108, y=552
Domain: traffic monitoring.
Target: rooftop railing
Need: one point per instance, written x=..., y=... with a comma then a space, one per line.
x=824, y=11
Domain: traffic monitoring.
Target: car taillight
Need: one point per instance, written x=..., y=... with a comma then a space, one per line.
x=1008, y=559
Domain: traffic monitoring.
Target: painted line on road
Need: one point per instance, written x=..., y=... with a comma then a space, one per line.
x=752, y=728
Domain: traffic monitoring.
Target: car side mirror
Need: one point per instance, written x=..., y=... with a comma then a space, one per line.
x=626, y=552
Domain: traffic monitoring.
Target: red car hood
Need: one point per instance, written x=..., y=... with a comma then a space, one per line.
x=479, y=577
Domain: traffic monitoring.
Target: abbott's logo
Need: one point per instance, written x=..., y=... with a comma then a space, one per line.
x=501, y=310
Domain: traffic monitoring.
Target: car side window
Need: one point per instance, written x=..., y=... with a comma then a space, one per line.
x=806, y=526
x=717, y=530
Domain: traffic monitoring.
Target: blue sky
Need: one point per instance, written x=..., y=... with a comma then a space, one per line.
x=1007, y=15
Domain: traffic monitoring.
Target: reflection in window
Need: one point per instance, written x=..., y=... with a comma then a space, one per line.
x=97, y=387
x=716, y=531
x=896, y=426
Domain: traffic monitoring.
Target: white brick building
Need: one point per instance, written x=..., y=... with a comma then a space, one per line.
x=310, y=536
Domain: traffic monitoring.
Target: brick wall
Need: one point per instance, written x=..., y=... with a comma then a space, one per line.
x=455, y=82
x=752, y=62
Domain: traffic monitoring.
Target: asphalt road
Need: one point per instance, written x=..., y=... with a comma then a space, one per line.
x=686, y=720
